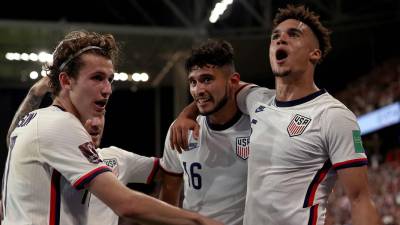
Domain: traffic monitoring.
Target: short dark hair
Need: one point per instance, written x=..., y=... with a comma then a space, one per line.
x=213, y=52
x=66, y=56
x=310, y=18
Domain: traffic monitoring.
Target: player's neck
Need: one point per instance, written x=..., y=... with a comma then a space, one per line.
x=292, y=87
x=66, y=104
x=224, y=115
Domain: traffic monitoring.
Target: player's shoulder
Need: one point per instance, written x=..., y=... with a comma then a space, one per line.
x=112, y=151
x=333, y=108
x=264, y=91
x=260, y=94
x=330, y=102
x=56, y=115
x=52, y=119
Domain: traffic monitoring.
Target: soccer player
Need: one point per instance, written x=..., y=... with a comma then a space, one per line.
x=127, y=166
x=214, y=167
x=51, y=150
x=302, y=139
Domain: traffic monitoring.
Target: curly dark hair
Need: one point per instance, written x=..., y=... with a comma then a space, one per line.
x=310, y=18
x=213, y=52
x=66, y=56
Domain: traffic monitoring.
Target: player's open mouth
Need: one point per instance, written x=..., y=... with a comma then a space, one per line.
x=202, y=101
x=281, y=54
x=94, y=133
x=101, y=103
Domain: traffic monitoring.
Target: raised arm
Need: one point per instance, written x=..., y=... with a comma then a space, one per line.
x=31, y=102
x=186, y=121
x=179, y=130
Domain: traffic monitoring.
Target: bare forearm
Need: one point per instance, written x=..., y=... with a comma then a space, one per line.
x=171, y=197
x=31, y=102
x=171, y=188
x=148, y=210
x=140, y=207
x=364, y=212
x=190, y=111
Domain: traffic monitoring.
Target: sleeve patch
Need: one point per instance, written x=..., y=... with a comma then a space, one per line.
x=358, y=146
x=89, y=151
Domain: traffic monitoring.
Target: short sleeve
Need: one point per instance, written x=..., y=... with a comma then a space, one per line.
x=65, y=145
x=248, y=97
x=132, y=168
x=343, y=138
x=170, y=161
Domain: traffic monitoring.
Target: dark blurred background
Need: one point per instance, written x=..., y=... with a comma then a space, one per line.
x=363, y=69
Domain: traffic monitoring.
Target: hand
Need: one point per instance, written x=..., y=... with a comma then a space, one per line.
x=179, y=132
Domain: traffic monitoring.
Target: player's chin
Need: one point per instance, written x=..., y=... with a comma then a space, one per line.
x=205, y=112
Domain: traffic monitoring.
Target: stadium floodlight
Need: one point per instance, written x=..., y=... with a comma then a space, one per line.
x=33, y=57
x=123, y=76
x=144, y=77
x=33, y=75
x=219, y=10
x=43, y=73
x=25, y=56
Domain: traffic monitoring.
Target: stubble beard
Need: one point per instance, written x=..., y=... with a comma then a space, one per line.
x=284, y=73
x=219, y=105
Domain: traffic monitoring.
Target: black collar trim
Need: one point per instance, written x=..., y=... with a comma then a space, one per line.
x=300, y=100
x=219, y=127
x=60, y=107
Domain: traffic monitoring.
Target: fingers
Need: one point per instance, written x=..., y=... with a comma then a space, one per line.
x=179, y=133
x=176, y=135
x=196, y=131
x=183, y=138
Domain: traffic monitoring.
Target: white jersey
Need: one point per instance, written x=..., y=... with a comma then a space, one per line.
x=129, y=168
x=50, y=162
x=295, y=149
x=214, y=168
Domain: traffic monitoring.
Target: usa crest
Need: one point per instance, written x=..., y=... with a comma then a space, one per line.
x=89, y=151
x=242, y=147
x=113, y=164
x=298, y=125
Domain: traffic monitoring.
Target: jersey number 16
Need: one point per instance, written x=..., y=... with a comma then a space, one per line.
x=194, y=179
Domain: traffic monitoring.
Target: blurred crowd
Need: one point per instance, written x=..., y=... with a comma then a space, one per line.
x=384, y=184
x=378, y=88
x=374, y=90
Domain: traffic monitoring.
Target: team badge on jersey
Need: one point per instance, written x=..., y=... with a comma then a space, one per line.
x=242, y=147
x=113, y=164
x=260, y=108
x=89, y=151
x=298, y=125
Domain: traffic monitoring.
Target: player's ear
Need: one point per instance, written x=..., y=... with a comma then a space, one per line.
x=65, y=80
x=235, y=78
x=315, y=56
